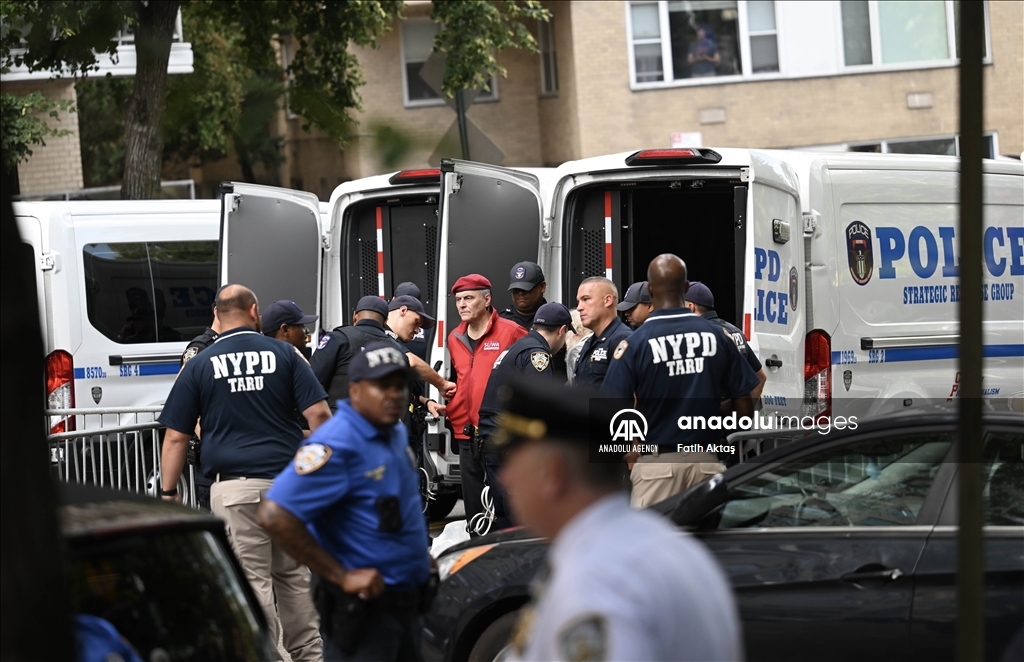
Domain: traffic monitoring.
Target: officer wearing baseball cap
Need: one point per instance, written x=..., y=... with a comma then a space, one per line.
x=636, y=305
x=701, y=301
x=418, y=344
x=677, y=604
x=531, y=355
x=348, y=506
x=330, y=362
x=285, y=321
x=527, y=287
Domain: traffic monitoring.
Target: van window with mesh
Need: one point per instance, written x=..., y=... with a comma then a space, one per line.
x=150, y=292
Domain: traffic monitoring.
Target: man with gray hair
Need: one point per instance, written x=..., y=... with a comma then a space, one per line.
x=596, y=300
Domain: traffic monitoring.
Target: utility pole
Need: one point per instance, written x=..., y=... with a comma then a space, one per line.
x=460, y=112
x=970, y=570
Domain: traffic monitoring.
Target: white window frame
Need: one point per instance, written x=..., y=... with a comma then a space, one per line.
x=885, y=143
x=546, y=89
x=493, y=97
x=876, y=44
x=668, y=72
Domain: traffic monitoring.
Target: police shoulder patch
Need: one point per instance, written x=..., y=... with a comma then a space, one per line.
x=311, y=457
x=620, y=349
x=540, y=361
x=190, y=353
x=584, y=639
x=324, y=339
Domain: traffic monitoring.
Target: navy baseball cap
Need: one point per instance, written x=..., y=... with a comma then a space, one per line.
x=700, y=295
x=553, y=314
x=284, y=312
x=525, y=276
x=377, y=361
x=637, y=293
x=373, y=303
x=416, y=306
x=408, y=289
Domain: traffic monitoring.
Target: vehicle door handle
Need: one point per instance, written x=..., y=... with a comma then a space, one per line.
x=859, y=575
x=773, y=363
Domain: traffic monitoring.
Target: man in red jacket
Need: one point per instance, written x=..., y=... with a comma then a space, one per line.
x=474, y=346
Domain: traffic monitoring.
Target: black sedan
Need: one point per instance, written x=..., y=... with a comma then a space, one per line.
x=838, y=546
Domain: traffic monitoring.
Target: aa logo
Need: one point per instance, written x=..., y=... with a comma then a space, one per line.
x=628, y=425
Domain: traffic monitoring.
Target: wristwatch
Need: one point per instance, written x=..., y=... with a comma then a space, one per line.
x=164, y=492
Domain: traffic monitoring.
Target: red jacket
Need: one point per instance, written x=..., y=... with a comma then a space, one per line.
x=473, y=369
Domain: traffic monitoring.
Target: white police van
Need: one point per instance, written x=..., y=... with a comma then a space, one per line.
x=122, y=287
x=840, y=268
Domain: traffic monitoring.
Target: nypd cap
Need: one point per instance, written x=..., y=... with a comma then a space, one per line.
x=553, y=314
x=374, y=304
x=637, y=293
x=525, y=276
x=700, y=295
x=413, y=304
x=283, y=312
x=377, y=361
x=532, y=409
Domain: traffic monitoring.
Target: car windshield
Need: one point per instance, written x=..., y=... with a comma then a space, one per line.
x=172, y=596
x=880, y=482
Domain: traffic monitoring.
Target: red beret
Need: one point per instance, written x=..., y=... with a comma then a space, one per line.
x=471, y=282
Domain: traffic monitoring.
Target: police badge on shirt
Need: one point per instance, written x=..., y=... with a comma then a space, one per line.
x=584, y=640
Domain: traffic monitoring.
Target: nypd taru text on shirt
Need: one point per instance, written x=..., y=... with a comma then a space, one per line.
x=265, y=361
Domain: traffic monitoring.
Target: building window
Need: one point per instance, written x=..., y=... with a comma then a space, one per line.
x=930, y=145
x=417, y=44
x=900, y=33
x=683, y=40
x=548, y=61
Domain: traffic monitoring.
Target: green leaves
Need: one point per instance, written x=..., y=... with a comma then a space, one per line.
x=473, y=31
x=21, y=125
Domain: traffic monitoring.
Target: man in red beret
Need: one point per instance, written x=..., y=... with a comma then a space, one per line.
x=474, y=346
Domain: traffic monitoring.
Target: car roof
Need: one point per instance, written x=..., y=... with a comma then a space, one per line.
x=88, y=511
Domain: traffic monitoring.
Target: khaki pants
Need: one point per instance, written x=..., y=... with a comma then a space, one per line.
x=657, y=477
x=269, y=570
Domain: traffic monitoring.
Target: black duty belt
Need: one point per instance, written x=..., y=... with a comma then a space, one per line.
x=221, y=477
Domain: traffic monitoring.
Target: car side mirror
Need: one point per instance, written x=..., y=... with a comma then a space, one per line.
x=701, y=500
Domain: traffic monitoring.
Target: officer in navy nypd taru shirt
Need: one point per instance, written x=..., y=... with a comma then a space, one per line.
x=677, y=364
x=247, y=387
x=349, y=507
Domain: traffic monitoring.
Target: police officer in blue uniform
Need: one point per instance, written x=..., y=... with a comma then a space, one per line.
x=531, y=355
x=246, y=388
x=348, y=507
x=418, y=344
x=596, y=301
x=676, y=364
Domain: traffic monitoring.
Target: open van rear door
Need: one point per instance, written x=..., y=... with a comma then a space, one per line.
x=270, y=242
x=775, y=280
x=490, y=218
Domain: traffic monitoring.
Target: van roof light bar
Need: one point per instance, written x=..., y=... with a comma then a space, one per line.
x=673, y=156
x=420, y=176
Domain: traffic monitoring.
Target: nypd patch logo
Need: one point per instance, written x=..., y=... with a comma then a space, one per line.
x=585, y=639
x=847, y=378
x=311, y=457
x=620, y=349
x=520, y=273
x=189, y=354
x=324, y=339
x=794, y=286
x=540, y=361
x=97, y=394
x=858, y=251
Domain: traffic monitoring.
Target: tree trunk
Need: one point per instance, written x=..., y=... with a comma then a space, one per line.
x=154, y=31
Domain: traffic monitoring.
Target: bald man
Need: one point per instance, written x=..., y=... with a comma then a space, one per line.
x=596, y=300
x=677, y=367
x=246, y=387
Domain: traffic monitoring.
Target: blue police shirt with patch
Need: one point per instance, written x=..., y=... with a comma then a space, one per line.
x=246, y=387
x=677, y=364
x=596, y=355
x=334, y=484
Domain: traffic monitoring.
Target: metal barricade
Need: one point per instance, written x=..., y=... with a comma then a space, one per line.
x=118, y=447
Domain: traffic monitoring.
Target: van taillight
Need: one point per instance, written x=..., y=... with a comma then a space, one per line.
x=60, y=389
x=817, y=374
x=421, y=176
x=673, y=156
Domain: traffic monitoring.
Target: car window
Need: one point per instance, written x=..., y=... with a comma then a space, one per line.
x=881, y=481
x=172, y=596
x=150, y=292
x=1004, y=479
